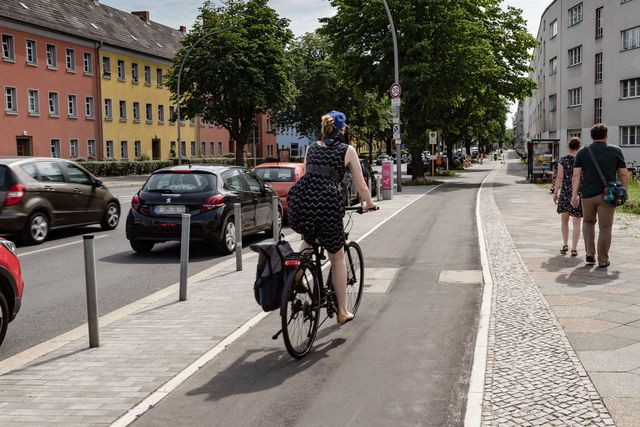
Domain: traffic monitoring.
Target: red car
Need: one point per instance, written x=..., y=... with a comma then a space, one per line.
x=11, y=285
x=280, y=177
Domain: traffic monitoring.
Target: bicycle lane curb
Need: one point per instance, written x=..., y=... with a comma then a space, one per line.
x=145, y=345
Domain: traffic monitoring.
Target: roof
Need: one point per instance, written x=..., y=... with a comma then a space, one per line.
x=197, y=168
x=88, y=19
x=280, y=165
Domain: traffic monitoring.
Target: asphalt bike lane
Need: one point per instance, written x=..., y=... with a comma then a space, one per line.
x=404, y=360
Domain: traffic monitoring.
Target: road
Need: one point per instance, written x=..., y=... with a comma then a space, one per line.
x=54, y=299
x=404, y=360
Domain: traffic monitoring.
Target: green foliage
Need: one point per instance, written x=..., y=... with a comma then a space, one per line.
x=229, y=77
x=633, y=204
x=420, y=181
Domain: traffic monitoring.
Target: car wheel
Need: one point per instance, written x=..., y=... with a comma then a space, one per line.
x=4, y=316
x=141, y=246
x=111, y=216
x=269, y=232
x=37, y=229
x=228, y=243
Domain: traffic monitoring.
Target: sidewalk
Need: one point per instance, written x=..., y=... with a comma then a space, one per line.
x=564, y=338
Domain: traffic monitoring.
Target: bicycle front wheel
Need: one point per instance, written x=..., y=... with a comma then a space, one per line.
x=300, y=310
x=355, y=275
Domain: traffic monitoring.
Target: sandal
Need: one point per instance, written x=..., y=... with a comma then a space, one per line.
x=574, y=252
x=564, y=249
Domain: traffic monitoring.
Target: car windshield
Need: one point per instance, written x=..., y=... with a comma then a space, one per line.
x=5, y=178
x=169, y=182
x=275, y=174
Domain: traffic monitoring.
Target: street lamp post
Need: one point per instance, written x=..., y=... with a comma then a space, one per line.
x=204, y=36
x=396, y=71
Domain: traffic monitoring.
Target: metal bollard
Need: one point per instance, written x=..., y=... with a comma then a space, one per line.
x=275, y=228
x=92, y=291
x=185, y=237
x=237, y=214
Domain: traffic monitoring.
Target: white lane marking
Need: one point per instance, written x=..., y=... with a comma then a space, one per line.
x=475, y=396
x=59, y=246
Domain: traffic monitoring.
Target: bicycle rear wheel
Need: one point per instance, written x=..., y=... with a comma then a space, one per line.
x=300, y=310
x=355, y=275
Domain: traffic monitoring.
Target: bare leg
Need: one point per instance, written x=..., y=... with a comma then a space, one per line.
x=339, y=277
x=564, y=226
x=576, y=233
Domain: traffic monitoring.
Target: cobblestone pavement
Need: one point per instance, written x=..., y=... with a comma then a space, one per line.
x=533, y=376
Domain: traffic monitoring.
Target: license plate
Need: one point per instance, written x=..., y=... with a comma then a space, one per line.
x=169, y=209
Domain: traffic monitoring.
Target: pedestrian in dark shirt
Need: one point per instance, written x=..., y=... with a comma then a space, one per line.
x=594, y=208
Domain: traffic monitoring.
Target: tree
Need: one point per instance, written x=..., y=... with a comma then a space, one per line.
x=230, y=77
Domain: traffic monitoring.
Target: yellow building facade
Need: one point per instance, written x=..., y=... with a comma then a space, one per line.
x=137, y=110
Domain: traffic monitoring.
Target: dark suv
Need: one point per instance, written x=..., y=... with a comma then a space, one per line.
x=10, y=285
x=38, y=194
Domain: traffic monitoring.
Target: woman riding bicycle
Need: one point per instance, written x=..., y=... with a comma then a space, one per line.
x=316, y=204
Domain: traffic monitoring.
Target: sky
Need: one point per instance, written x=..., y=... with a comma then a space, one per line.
x=302, y=14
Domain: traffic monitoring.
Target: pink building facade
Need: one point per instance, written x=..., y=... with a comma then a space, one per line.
x=51, y=99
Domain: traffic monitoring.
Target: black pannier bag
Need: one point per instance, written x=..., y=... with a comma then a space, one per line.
x=269, y=282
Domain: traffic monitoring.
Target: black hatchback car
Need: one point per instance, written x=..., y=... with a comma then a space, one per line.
x=208, y=194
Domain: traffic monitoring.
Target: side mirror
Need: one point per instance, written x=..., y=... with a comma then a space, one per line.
x=97, y=183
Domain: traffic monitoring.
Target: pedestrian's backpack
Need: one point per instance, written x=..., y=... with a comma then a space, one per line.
x=269, y=282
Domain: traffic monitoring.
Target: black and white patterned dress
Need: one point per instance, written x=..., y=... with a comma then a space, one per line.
x=316, y=205
x=564, y=196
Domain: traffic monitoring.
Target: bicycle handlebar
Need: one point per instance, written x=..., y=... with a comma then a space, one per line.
x=359, y=210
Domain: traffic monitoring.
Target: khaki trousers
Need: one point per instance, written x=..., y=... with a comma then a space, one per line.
x=594, y=209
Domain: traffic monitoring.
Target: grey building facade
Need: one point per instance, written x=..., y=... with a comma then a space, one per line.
x=587, y=67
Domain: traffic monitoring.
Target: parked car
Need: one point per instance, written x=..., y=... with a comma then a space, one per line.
x=11, y=285
x=42, y=194
x=280, y=177
x=369, y=176
x=383, y=158
x=208, y=194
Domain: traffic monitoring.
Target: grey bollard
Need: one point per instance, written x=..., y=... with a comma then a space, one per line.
x=185, y=237
x=275, y=227
x=92, y=291
x=237, y=214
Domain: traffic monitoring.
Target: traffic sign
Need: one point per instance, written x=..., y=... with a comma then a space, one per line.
x=395, y=102
x=395, y=90
x=433, y=138
x=396, y=131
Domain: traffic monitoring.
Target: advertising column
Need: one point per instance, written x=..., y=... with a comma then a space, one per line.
x=387, y=180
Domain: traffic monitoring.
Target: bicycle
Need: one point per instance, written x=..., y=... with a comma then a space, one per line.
x=305, y=292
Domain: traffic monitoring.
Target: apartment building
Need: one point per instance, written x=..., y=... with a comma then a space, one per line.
x=587, y=67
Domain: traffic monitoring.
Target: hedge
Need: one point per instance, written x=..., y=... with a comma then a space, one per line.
x=145, y=167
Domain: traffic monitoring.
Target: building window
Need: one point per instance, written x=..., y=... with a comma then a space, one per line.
x=109, y=150
x=599, y=67
x=599, y=30
x=31, y=53
x=575, y=15
x=136, y=111
x=161, y=114
x=124, y=150
x=10, y=100
x=91, y=149
x=597, y=111
x=52, y=57
x=134, y=73
x=194, y=151
x=8, y=53
x=192, y=121
x=172, y=114
x=270, y=150
x=553, y=28
x=106, y=67
x=574, y=133
x=88, y=107
x=159, y=77
x=73, y=147
x=34, y=102
x=203, y=149
x=575, y=56
x=183, y=148
x=629, y=135
x=73, y=106
x=212, y=147
x=575, y=97
x=219, y=149
x=147, y=75
x=70, y=55
x=149, y=113
x=55, y=148
x=137, y=149
x=631, y=38
x=172, y=151
x=630, y=88
x=54, y=109
x=88, y=63
x=108, y=109
x=553, y=65
x=120, y=70
x=123, y=111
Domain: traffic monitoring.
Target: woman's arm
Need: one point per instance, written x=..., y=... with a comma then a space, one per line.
x=558, y=184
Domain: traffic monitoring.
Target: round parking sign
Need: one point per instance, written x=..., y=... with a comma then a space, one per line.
x=395, y=90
